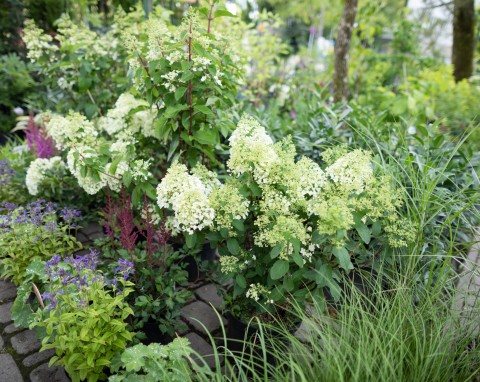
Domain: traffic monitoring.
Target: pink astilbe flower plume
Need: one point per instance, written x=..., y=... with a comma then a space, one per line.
x=38, y=140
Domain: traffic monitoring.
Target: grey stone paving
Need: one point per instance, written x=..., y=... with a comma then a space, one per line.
x=9, y=371
x=21, y=361
x=468, y=289
x=25, y=342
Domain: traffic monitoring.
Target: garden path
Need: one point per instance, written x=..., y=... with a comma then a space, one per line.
x=468, y=287
x=21, y=361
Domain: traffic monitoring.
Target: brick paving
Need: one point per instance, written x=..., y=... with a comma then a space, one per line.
x=21, y=361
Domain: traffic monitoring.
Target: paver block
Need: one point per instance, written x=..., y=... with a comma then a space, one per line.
x=204, y=349
x=9, y=329
x=25, y=342
x=5, y=316
x=5, y=284
x=35, y=358
x=8, y=293
x=44, y=373
x=8, y=369
x=81, y=237
x=93, y=229
x=208, y=293
x=199, y=311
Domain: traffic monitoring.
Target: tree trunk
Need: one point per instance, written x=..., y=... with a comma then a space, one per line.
x=463, y=38
x=342, y=48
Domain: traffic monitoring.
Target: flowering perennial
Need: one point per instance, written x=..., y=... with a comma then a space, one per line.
x=42, y=169
x=187, y=196
x=280, y=211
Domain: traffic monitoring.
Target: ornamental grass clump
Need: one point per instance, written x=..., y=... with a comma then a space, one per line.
x=84, y=314
x=285, y=228
x=34, y=231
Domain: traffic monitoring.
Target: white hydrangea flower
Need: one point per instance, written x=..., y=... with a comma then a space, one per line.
x=114, y=181
x=40, y=169
x=256, y=291
x=37, y=41
x=352, y=172
x=311, y=177
x=115, y=120
x=122, y=124
x=251, y=148
x=187, y=196
x=72, y=128
x=90, y=185
x=143, y=121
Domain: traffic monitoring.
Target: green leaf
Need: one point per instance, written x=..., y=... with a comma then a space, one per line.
x=317, y=238
x=238, y=224
x=279, y=269
x=376, y=228
x=127, y=178
x=240, y=280
x=206, y=136
x=343, y=258
x=256, y=191
x=172, y=148
x=233, y=246
x=362, y=229
x=172, y=111
x=223, y=12
x=204, y=110
x=190, y=240
x=298, y=259
x=322, y=274
x=276, y=250
x=136, y=195
x=179, y=93
x=187, y=76
x=114, y=165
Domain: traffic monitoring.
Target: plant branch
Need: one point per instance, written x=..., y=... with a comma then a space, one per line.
x=190, y=96
x=210, y=18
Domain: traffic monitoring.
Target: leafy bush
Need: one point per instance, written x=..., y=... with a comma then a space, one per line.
x=85, y=313
x=15, y=86
x=192, y=73
x=160, y=279
x=155, y=362
x=31, y=232
x=81, y=69
x=285, y=228
x=15, y=159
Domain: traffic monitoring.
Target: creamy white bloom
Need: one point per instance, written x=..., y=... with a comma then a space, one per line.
x=72, y=128
x=187, y=197
x=251, y=148
x=352, y=172
x=89, y=184
x=42, y=168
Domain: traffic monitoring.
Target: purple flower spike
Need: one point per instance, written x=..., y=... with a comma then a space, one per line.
x=125, y=268
x=69, y=215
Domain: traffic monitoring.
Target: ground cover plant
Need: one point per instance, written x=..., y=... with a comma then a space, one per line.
x=328, y=160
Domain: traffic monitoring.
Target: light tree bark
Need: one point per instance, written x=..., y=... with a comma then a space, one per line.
x=463, y=46
x=342, y=49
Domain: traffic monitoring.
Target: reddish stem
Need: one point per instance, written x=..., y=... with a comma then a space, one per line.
x=210, y=18
x=190, y=97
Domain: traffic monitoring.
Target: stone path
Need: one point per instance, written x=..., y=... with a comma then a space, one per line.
x=468, y=288
x=21, y=361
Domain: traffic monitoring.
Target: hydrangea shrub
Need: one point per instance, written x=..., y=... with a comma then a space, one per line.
x=285, y=227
